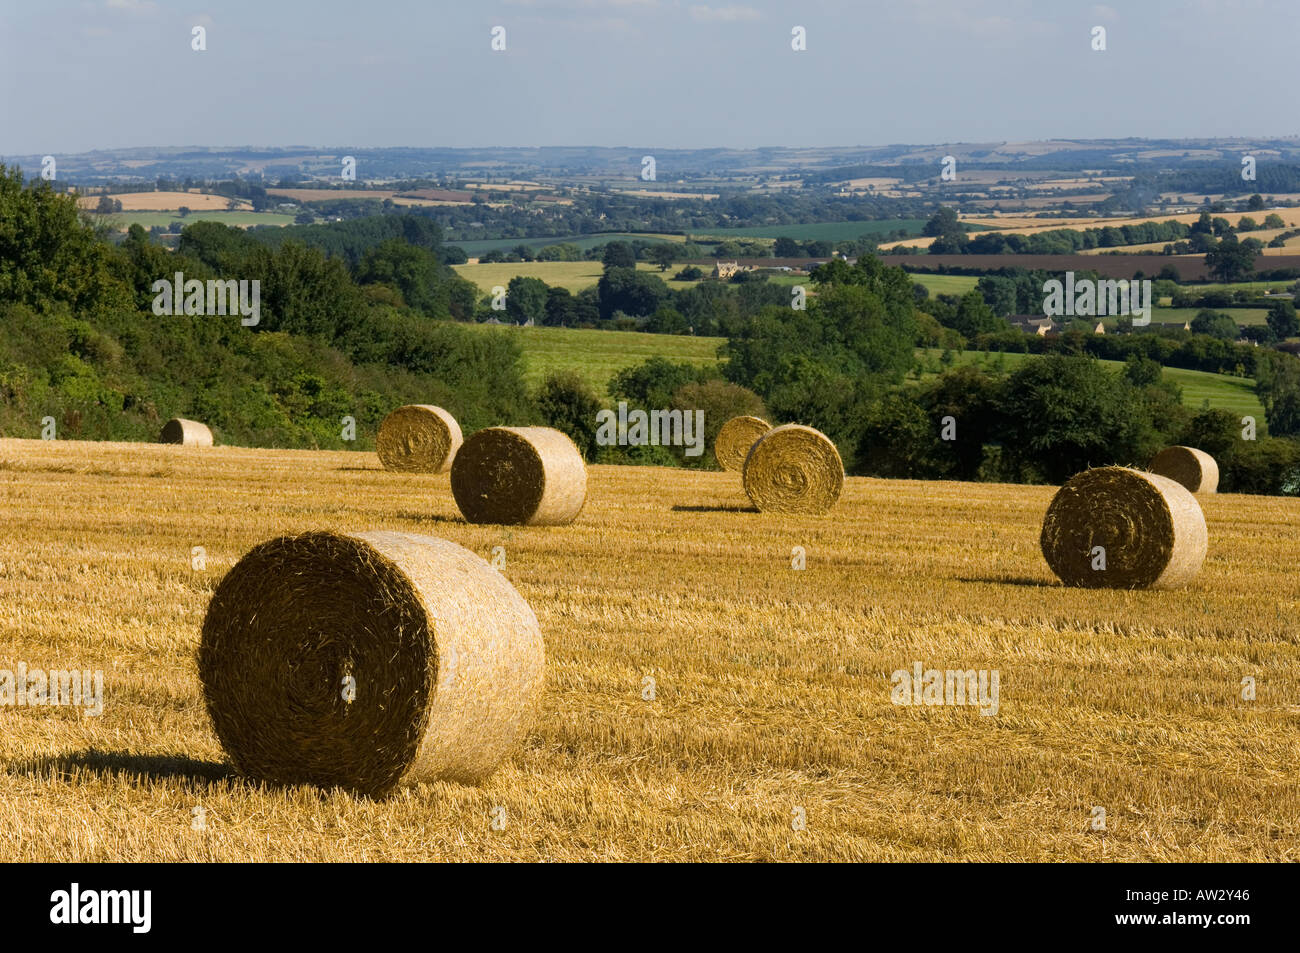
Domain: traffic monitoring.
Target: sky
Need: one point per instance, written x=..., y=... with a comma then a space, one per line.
x=77, y=75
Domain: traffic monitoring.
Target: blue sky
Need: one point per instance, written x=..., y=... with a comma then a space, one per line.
x=77, y=75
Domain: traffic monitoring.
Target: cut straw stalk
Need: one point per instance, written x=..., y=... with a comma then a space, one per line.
x=1117, y=528
x=418, y=438
x=189, y=433
x=734, y=441
x=519, y=475
x=794, y=469
x=442, y=660
x=1194, y=469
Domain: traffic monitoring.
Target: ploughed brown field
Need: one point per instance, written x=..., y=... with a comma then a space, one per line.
x=772, y=686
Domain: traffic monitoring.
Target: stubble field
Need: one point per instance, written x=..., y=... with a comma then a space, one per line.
x=772, y=685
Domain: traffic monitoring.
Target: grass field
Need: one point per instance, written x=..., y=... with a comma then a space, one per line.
x=772, y=686
x=573, y=275
x=576, y=275
x=1236, y=394
x=1243, y=316
x=124, y=220
x=474, y=248
x=819, y=231
x=946, y=284
x=599, y=355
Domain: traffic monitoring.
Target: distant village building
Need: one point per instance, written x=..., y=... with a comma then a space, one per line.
x=1099, y=329
x=1032, y=324
x=725, y=269
x=493, y=320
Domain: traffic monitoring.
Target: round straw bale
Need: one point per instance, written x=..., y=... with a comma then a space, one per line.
x=735, y=439
x=368, y=661
x=794, y=469
x=529, y=475
x=1117, y=528
x=1194, y=469
x=189, y=433
x=418, y=438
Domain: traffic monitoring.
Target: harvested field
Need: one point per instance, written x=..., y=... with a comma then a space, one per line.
x=770, y=691
x=165, y=201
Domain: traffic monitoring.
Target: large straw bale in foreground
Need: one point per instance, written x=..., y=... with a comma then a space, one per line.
x=418, y=438
x=794, y=469
x=1194, y=469
x=1150, y=529
x=441, y=657
x=734, y=441
x=529, y=475
x=189, y=433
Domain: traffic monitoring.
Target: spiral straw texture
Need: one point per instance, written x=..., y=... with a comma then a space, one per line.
x=794, y=469
x=418, y=438
x=519, y=475
x=1150, y=529
x=368, y=662
x=735, y=439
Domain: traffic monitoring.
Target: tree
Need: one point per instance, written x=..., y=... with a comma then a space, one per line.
x=942, y=222
x=1065, y=414
x=568, y=404
x=1233, y=260
x=974, y=316
x=1282, y=319
x=1256, y=203
x=561, y=309
x=411, y=270
x=720, y=400
x=633, y=292
x=653, y=382
x=526, y=299
x=1277, y=382
x=785, y=248
x=618, y=255
x=663, y=255
x=183, y=211
x=1215, y=324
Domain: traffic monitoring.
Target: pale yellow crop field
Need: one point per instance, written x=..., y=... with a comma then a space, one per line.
x=166, y=201
x=772, y=685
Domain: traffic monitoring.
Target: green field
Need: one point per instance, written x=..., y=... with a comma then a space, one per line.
x=573, y=275
x=599, y=355
x=124, y=220
x=1236, y=394
x=817, y=231
x=946, y=284
x=475, y=248
x=1243, y=316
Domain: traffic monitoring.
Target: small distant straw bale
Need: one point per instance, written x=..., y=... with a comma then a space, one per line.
x=1194, y=469
x=418, y=438
x=794, y=469
x=189, y=433
x=735, y=439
